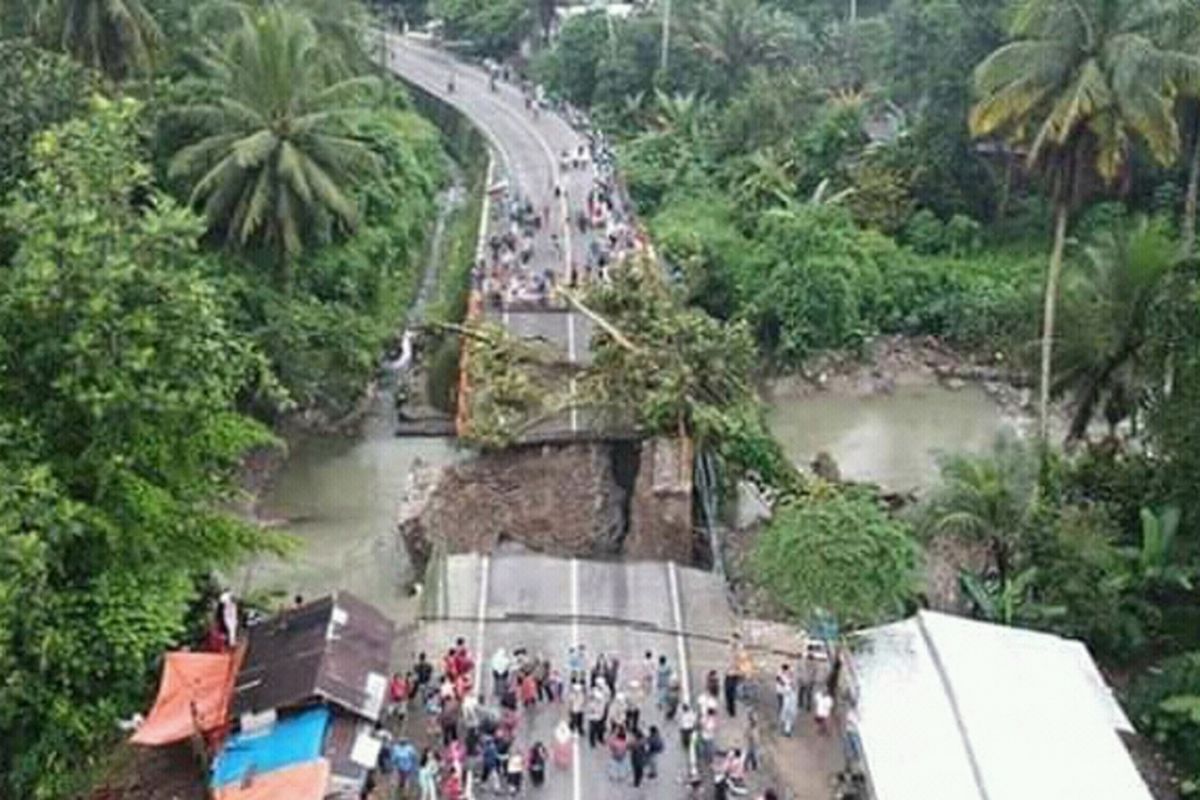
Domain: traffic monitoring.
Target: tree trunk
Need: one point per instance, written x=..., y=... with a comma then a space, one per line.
x=1051, y=299
x=1188, y=233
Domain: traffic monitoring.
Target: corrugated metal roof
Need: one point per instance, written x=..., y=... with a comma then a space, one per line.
x=956, y=709
x=336, y=648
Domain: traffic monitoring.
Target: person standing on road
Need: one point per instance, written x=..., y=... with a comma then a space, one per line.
x=616, y=710
x=654, y=748
x=501, y=664
x=423, y=672
x=752, y=740
x=563, y=745
x=515, y=770
x=537, y=764
x=633, y=712
x=611, y=673
x=662, y=682
x=822, y=709
x=784, y=684
x=638, y=753
x=730, y=687
x=471, y=717
x=674, y=695
x=618, y=753
x=789, y=704
x=687, y=725
x=491, y=759
x=428, y=776
x=597, y=710
x=808, y=681
x=708, y=736
x=576, y=705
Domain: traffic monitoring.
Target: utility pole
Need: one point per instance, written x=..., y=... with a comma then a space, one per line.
x=666, y=34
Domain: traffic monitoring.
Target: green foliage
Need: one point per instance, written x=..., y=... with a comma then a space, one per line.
x=570, y=69
x=1081, y=570
x=839, y=553
x=678, y=370
x=513, y=384
x=928, y=235
x=699, y=238
x=1166, y=706
x=989, y=498
x=41, y=89
x=738, y=35
x=488, y=27
x=117, y=37
x=880, y=199
x=1156, y=563
x=818, y=279
x=119, y=376
x=1008, y=600
x=274, y=154
x=1107, y=313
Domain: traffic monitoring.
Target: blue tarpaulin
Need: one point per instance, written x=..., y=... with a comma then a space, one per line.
x=292, y=740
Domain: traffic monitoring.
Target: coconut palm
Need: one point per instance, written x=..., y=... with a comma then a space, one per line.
x=987, y=498
x=275, y=158
x=739, y=34
x=117, y=37
x=1108, y=313
x=341, y=25
x=1079, y=81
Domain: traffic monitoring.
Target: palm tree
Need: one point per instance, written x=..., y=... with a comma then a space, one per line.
x=1109, y=310
x=116, y=37
x=341, y=25
x=276, y=156
x=1078, y=81
x=988, y=498
x=739, y=34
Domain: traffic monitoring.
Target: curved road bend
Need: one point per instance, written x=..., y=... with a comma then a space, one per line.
x=527, y=150
x=618, y=608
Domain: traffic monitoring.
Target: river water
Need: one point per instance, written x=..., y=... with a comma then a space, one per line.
x=889, y=439
x=338, y=496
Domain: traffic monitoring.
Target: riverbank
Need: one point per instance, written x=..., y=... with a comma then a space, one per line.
x=892, y=362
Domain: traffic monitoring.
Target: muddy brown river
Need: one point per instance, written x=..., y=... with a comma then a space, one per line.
x=890, y=439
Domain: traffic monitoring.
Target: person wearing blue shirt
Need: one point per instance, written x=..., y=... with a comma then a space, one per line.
x=405, y=760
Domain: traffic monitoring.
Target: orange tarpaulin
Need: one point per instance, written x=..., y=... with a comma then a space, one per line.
x=193, y=697
x=302, y=782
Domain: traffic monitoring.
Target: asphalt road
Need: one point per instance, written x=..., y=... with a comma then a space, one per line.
x=527, y=151
x=548, y=604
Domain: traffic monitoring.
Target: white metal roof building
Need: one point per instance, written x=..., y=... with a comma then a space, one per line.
x=954, y=709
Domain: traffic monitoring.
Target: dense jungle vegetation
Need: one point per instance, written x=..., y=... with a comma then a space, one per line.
x=1018, y=179
x=211, y=214
x=212, y=218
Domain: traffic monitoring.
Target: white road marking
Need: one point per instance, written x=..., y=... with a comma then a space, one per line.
x=485, y=569
x=576, y=773
x=685, y=680
x=571, y=356
x=556, y=179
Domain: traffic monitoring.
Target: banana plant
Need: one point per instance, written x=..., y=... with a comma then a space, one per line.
x=1153, y=563
x=1007, y=601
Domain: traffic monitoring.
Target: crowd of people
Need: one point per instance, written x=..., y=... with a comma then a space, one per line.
x=510, y=273
x=475, y=742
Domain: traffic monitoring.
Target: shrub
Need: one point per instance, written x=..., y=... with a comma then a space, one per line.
x=1166, y=706
x=838, y=552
